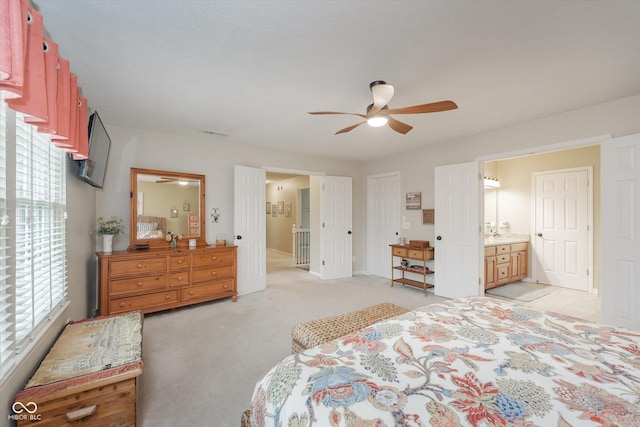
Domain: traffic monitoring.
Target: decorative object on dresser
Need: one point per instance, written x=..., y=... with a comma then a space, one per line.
x=417, y=252
x=107, y=228
x=89, y=376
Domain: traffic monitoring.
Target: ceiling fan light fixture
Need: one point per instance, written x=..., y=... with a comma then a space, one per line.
x=377, y=121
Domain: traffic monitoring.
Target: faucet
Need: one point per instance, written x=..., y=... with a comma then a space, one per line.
x=496, y=235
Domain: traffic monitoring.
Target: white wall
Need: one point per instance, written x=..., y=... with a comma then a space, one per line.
x=214, y=158
x=618, y=118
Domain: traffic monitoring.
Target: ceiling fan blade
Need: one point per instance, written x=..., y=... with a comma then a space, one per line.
x=433, y=107
x=382, y=94
x=398, y=126
x=347, y=129
x=315, y=113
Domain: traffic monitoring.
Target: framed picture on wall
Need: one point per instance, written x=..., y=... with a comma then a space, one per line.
x=428, y=216
x=268, y=208
x=287, y=210
x=281, y=207
x=414, y=200
x=274, y=211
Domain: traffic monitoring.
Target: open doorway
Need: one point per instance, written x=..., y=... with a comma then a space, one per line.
x=288, y=237
x=515, y=208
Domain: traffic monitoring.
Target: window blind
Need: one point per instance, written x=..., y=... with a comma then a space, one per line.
x=35, y=245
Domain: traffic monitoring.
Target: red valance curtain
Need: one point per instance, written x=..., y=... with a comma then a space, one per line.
x=35, y=81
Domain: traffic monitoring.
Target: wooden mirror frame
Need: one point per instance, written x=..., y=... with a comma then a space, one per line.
x=162, y=243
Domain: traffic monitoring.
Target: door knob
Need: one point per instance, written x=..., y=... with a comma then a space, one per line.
x=539, y=234
x=439, y=238
x=238, y=237
x=349, y=232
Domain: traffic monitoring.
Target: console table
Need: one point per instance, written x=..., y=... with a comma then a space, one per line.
x=411, y=253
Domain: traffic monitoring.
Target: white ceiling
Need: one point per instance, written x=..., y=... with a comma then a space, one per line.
x=253, y=69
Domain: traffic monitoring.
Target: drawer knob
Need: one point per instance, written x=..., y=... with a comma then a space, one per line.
x=139, y=284
x=168, y=297
x=141, y=265
x=213, y=273
x=121, y=304
x=225, y=286
x=179, y=277
x=190, y=292
x=213, y=258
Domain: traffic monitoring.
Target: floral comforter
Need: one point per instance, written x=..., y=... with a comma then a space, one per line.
x=474, y=361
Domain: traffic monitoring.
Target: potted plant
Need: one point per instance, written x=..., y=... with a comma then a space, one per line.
x=107, y=228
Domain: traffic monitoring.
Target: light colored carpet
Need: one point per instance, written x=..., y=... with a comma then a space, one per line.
x=202, y=362
x=519, y=291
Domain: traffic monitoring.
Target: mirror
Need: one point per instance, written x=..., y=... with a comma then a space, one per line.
x=165, y=202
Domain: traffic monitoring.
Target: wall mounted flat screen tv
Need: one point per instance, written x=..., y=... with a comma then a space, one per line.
x=92, y=169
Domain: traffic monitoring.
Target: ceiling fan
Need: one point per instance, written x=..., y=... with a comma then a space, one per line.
x=379, y=114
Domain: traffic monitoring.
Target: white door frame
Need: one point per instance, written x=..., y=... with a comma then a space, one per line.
x=584, y=142
x=535, y=276
x=370, y=221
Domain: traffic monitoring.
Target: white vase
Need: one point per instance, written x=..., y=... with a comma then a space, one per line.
x=107, y=243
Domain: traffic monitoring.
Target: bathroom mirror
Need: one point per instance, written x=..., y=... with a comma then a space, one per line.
x=165, y=202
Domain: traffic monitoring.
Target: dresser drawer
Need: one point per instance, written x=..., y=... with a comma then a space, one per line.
x=503, y=249
x=489, y=251
x=205, y=291
x=137, y=284
x=212, y=258
x=179, y=278
x=503, y=259
x=420, y=254
x=177, y=262
x=519, y=247
x=207, y=274
x=107, y=405
x=148, y=302
x=503, y=273
x=401, y=252
x=125, y=267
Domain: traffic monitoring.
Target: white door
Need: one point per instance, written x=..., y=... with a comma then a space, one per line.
x=457, y=229
x=250, y=228
x=620, y=201
x=383, y=219
x=335, y=227
x=562, y=228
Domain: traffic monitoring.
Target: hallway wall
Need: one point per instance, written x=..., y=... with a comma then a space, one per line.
x=279, y=235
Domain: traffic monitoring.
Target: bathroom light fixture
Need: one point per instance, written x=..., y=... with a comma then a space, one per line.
x=491, y=182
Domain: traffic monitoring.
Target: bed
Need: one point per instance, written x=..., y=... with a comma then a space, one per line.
x=474, y=361
x=151, y=227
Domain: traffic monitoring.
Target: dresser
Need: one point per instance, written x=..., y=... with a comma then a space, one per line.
x=160, y=279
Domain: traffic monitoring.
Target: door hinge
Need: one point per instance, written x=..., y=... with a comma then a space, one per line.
x=323, y=263
x=323, y=225
x=587, y=271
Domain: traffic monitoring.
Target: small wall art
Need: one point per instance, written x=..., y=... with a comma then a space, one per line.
x=281, y=207
x=268, y=208
x=274, y=211
x=414, y=200
x=287, y=210
x=428, y=216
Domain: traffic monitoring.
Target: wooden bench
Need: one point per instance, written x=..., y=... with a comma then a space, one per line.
x=315, y=332
x=89, y=376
